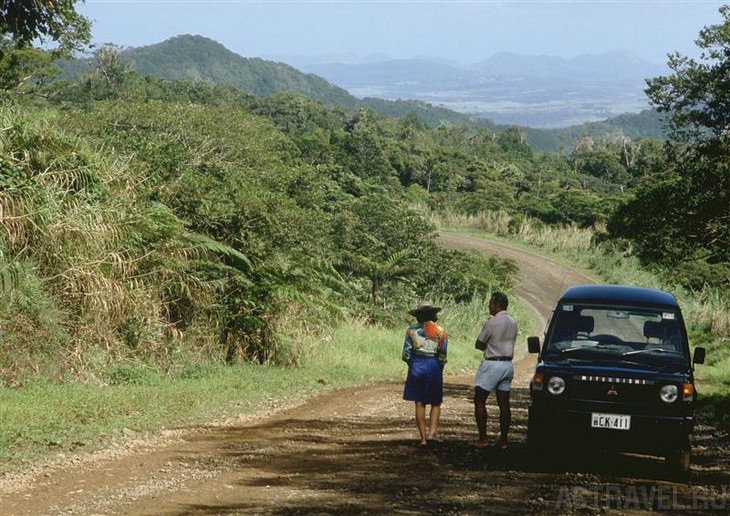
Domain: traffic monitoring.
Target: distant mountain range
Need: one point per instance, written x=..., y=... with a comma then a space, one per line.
x=506, y=89
x=535, y=91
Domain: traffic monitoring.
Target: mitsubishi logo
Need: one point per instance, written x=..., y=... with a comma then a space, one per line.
x=612, y=391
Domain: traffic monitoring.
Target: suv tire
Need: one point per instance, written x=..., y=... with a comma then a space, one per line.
x=680, y=460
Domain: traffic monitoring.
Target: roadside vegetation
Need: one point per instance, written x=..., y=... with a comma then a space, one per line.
x=212, y=250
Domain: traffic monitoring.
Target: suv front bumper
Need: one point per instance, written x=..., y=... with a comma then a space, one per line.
x=654, y=434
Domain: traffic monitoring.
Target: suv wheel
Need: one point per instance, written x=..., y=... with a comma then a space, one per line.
x=679, y=460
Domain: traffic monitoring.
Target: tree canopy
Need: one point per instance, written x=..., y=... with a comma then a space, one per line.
x=24, y=21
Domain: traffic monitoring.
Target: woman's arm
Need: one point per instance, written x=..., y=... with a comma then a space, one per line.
x=407, y=347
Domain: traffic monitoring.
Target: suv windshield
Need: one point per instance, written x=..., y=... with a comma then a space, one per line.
x=629, y=335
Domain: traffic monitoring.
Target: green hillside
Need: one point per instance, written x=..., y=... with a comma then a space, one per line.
x=646, y=124
x=200, y=59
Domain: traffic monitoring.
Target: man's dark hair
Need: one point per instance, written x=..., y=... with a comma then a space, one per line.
x=500, y=298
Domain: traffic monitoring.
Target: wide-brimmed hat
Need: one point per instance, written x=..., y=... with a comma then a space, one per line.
x=425, y=307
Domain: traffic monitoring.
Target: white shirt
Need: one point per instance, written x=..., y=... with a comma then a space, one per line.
x=499, y=334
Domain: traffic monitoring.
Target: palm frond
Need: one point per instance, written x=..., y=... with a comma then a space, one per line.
x=206, y=244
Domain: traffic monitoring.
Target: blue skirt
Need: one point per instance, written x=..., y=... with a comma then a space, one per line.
x=425, y=381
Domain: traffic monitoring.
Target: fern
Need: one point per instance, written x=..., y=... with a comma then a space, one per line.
x=394, y=268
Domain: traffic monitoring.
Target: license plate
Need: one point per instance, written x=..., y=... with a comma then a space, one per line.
x=611, y=421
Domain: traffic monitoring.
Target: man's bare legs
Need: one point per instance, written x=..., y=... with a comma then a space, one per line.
x=505, y=417
x=480, y=415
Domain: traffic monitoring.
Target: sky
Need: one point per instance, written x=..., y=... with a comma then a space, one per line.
x=465, y=32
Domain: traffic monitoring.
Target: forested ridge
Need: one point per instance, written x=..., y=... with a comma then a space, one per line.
x=200, y=59
x=151, y=219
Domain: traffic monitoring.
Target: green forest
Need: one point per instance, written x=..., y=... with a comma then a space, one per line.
x=157, y=220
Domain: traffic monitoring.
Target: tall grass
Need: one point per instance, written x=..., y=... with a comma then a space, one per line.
x=378, y=349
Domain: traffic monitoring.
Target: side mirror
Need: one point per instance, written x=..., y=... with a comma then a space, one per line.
x=699, y=356
x=533, y=344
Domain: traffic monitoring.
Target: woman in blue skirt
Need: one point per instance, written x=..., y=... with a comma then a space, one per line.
x=424, y=351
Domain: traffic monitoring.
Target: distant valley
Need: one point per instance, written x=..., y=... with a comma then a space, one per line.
x=532, y=91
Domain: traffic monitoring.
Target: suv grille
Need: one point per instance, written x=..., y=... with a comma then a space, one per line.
x=612, y=380
x=620, y=394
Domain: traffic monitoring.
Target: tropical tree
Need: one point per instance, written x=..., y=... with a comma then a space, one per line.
x=395, y=267
x=696, y=95
x=19, y=65
x=684, y=213
x=24, y=21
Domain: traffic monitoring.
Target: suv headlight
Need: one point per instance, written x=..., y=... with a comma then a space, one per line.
x=556, y=385
x=669, y=393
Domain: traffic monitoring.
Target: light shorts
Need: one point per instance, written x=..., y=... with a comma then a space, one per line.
x=495, y=375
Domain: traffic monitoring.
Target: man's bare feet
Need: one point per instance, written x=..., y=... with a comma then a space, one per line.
x=480, y=444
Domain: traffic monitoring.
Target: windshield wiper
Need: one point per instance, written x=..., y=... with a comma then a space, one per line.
x=577, y=348
x=651, y=350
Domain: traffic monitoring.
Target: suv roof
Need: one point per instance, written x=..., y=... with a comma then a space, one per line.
x=619, y=294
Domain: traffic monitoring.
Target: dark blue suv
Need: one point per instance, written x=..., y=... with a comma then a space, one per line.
x=614, y=373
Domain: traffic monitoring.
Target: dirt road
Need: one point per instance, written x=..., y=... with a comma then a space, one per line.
x=353, y=451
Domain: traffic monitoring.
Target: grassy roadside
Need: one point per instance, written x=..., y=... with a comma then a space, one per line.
x=44, y=420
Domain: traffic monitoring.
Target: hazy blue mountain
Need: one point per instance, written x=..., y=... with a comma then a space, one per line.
x=510, y=65
x=616, y=66
x=301, y=62
x=534, y=91
x=394, y=75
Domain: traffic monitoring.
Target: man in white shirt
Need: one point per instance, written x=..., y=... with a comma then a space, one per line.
x=495, y=373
